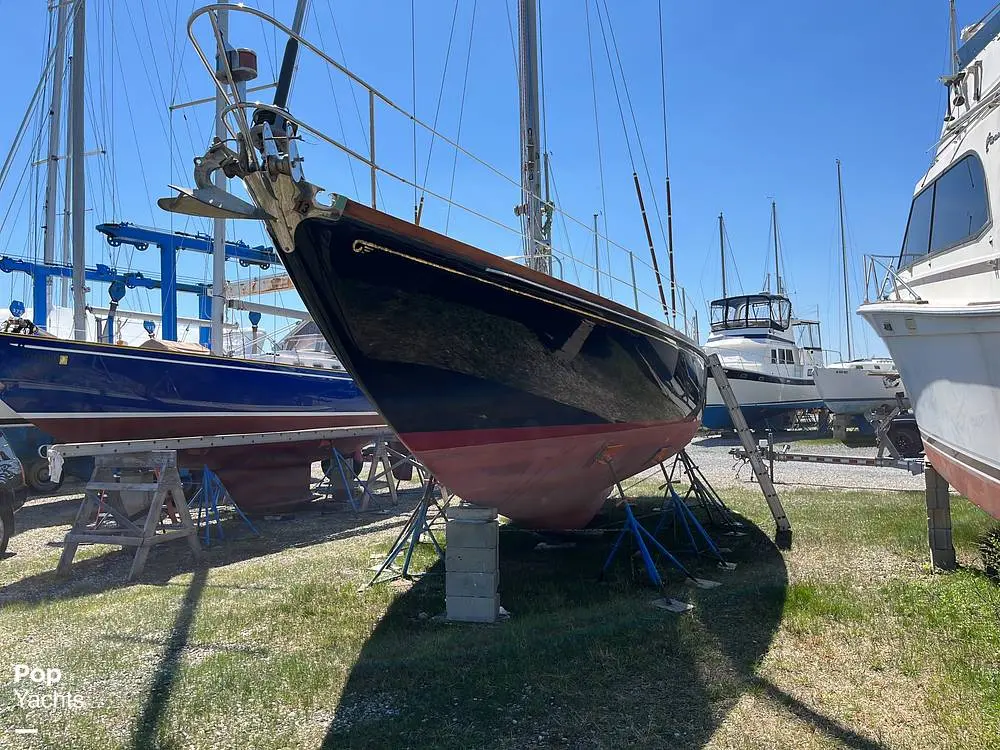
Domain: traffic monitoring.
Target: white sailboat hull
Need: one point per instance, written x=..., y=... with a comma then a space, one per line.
x=856, y=388
x=949, y=358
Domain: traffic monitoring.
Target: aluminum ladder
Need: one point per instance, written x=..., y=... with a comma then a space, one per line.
x=783, y=533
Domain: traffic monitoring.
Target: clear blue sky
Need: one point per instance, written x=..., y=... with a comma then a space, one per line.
x=762, y=98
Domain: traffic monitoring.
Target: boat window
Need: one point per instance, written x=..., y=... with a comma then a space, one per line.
x=918, y=228
x=960, y=209
x=781, y=311
x=763, y=311
x=774, y=356
x=951, y=210
x=306, y=338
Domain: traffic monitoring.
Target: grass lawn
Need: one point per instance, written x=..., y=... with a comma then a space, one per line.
x=847, y=640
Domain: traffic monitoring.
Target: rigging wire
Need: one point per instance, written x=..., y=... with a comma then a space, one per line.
x=461, y=114
x=597, y=128
x=635, y=122
x=437, y=108
x=353, y=89
x=336, y=104
x=569, y=244
x=732, y=254
x=413, y=79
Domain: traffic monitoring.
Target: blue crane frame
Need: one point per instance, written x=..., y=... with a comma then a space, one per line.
x=169, y=243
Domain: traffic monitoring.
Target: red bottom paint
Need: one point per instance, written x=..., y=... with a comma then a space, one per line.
x=547, y=478
x=260, y=478
x=979, y=488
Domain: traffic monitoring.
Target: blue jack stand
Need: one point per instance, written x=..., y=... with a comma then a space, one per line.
x=339, y=471
x=207, y=499
x=679, y=514
x=639, y=535
x=419, y=523
x=702, y=493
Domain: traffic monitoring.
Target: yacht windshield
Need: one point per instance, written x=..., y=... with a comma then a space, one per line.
x=751, y=311
x=306, y=338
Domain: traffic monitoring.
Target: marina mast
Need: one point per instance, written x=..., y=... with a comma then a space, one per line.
x=538, y=244
x=76, y=156
x=52, y=164
x=843, y=256
x=219, y=224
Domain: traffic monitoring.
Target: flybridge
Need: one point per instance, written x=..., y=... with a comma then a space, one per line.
x=988, y=30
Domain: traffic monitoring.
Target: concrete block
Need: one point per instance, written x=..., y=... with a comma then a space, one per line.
x=468, y=512
x=940, y=518
x=475, y=535
x=941, y=539
x=472, y=608
x=471, y=559
x=471, y=584
x=943, y=559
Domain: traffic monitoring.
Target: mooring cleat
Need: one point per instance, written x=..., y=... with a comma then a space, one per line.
x=672, y=605
x=726, y=565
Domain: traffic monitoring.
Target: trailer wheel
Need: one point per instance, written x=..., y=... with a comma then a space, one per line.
x=6, y=525
x=907, y=441
x=38, y=478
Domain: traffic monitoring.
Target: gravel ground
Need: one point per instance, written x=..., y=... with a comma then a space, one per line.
x=712, y=456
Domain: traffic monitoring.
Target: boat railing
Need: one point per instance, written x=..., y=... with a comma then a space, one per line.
x=883, y=282
x=399, y=180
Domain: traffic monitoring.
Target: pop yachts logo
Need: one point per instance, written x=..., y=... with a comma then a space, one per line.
x=35, y=687
x=991, y=138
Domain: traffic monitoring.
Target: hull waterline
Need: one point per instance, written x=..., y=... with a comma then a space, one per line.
x=763, y=399
x=519, y=391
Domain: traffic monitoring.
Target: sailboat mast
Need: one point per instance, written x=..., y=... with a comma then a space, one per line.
x=52, y=166
x=774, y=228
x=538, y=250
x=843, y=257
x=219, y=225
x=77, y=160
x=722, y=252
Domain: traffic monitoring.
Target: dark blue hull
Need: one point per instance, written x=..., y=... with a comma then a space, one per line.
x=87, y=392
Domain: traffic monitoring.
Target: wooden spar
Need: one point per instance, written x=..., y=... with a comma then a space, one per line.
x=652, y=250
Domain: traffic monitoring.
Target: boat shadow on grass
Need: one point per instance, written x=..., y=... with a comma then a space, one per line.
x=580, y=663
x=108, y=569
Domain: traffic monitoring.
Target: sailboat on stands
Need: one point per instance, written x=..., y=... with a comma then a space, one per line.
x=769, y=357
x=857, y=386
x=935, y=305
x=517, y=389
x=86, y=391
